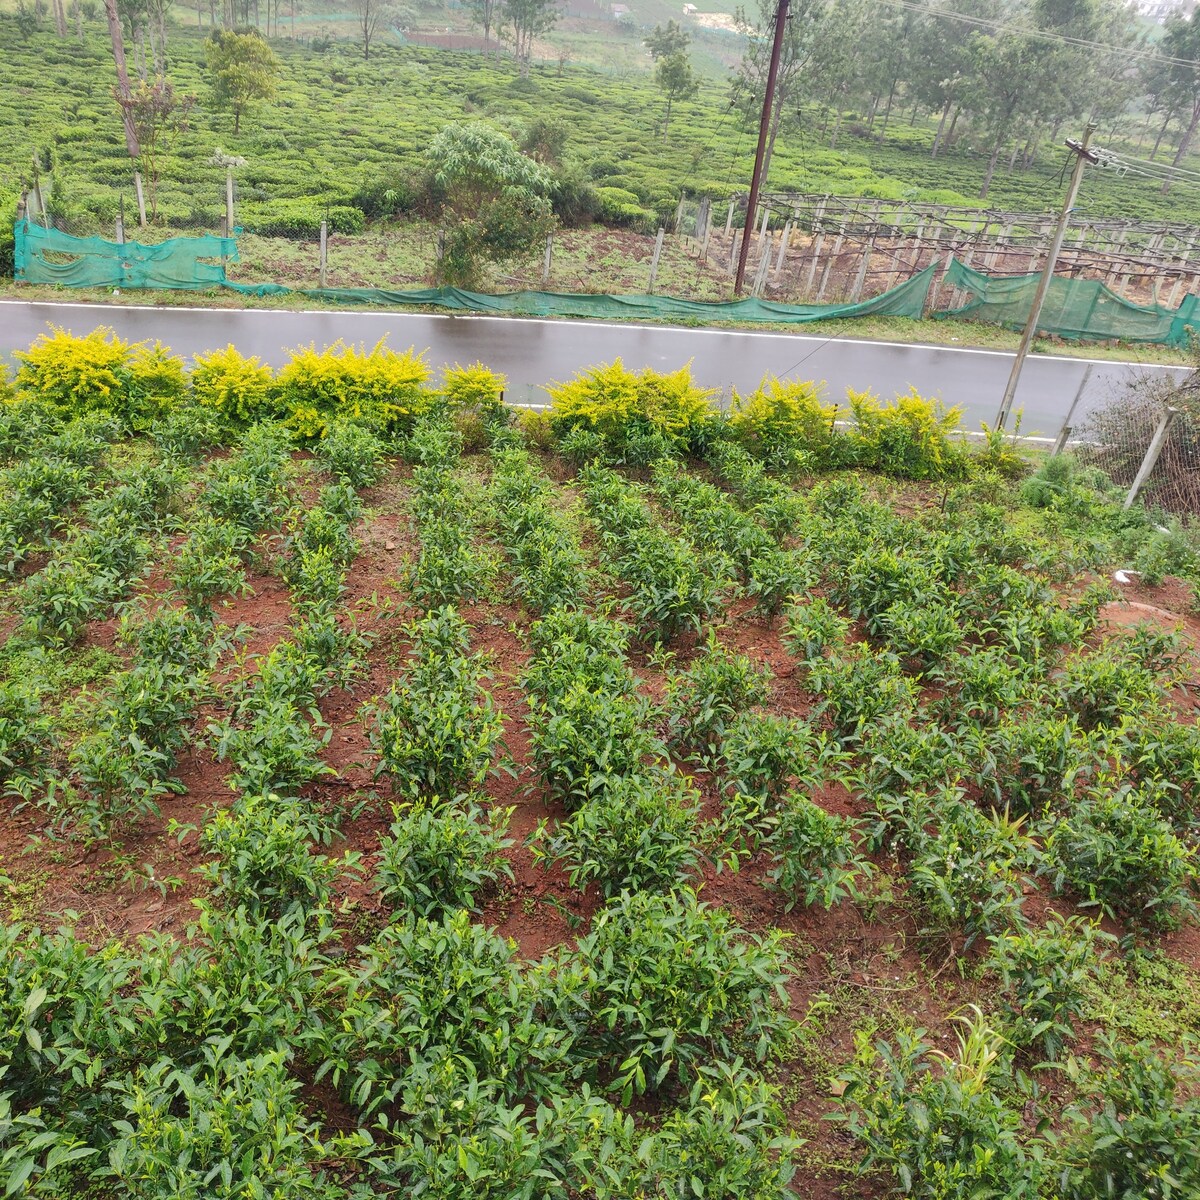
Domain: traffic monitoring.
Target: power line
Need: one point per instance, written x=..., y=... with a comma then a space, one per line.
x=1043, y=35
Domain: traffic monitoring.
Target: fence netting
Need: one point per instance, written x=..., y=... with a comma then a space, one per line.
x=1074, y=308
x=49, y=256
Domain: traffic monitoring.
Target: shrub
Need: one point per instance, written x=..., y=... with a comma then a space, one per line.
x=620, y=207
x=785, y=425
x=439, y=857
x=354, y=454
x=763, y=752
x=378, y=387
x=100, y=373
x=474, y=389
x=637, y=834
x=941, y=1130
x=1045, y=973
x=237, y=388
x=392, y=1016
x=908, y=438
x=813, y=853
x=620, y=406
x=261, y=858
x=672, y=984
x=1121, y=857
x=706, y=698
x=1134, y=1134
x=188, y=1128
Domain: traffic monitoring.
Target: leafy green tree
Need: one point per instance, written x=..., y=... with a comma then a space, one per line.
x=664, y=41
x=242, y=70
x=486, y=14
x=494, y=198
x=525, y=19
x=159, y=115
x=1183, y=42
x=675, y=77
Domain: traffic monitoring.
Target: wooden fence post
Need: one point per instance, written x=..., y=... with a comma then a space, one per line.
x=658, y=245
x=324, y=251
x=547, y=258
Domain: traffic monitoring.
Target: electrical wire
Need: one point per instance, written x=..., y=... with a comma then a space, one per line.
x=1044, y=35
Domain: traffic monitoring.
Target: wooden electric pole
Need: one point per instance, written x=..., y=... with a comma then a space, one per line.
x=764, y=126
x=1083, y=156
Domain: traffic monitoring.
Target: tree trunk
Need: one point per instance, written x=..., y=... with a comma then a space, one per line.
x=937, y=137
x=991, y=168
x=953, y=125
x=1030, y=152
x=772, y=133
x=1185, y=143
x=1012, y=158
x=887, y=112
x=871, y=114
x=237, y=120
x=118, y=49
x=667, y=119
x=60, y=18
x=837, y=129
x=1161, y=134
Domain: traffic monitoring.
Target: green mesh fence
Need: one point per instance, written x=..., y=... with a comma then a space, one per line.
x=1079, y=309
x=907, y=300
x=48, y=256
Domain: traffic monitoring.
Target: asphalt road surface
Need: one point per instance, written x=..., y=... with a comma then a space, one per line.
x=532, y=352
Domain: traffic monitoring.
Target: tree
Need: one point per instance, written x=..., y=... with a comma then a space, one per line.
x=750, y=83
x=675, y=77
x=242, y=69
x=122, y=89
x=495, y=200
x=486, y=13
x=370, y=15
x=159, y=115
x=1183, y=42
x=527, y=18
x=666, y=41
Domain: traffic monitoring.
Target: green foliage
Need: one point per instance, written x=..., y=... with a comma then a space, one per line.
x=814, y=854
x=99, y=372
x=437, y=731
x=242, y=69
x=354, y=454
x=1137, y=1130
x=940, y=1126
x=638, y=833
x=201, y=1132
x=495, y=198
x=1045, y=973
x=1118, y=855
x=703, y=701
x=439, y=857
x=261, y=858
x=392, y=1016
x=672, y=983
x=626, y=408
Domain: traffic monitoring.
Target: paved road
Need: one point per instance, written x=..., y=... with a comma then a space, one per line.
x=534, y=352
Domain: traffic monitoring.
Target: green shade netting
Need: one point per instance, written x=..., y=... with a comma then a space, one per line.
x=1074, y=308
x=178, y=263
x=48, y=256
x=907, y=300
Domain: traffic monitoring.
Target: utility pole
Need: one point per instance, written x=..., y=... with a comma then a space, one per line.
x=781, y=16
x=1083, y=156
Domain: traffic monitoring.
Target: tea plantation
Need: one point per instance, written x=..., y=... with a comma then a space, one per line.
x=404, y=796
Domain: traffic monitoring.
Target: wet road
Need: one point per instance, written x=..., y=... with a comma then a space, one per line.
x=532, y=352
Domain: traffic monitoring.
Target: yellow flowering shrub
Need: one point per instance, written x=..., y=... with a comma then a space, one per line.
x=100, y=372
x=474, y=389
x=241, y=389
x=637, y=415
x=910, y=437
x=785, y=423
x=377, y=387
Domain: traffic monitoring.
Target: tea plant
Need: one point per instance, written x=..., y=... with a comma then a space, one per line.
x=438, y=858
x=814, y=857
x=672, y=984
x=353, y=453
x=940, y=1126
x=705, y=699
x=437, y=732
x=261, y=858
x=762, y=753
x=637, y=834
x=274, y=748
x=1136, y=1132
x=1045, y=973
x=1119, y=856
